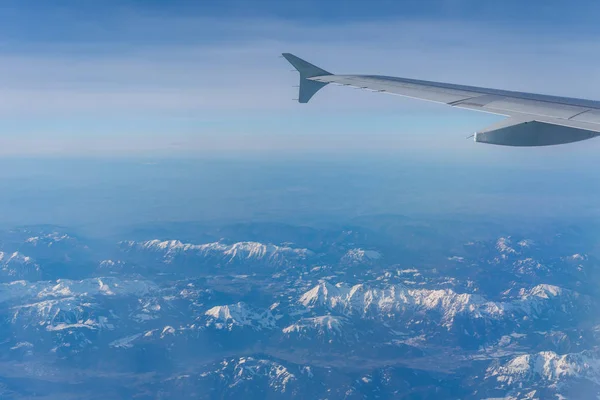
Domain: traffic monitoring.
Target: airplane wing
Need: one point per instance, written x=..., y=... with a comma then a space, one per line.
x=534, y=119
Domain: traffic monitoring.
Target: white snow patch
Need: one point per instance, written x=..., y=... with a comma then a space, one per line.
x=503, y=245
x=326, y=325
x=167, y=330
x=21, y=345
x=126, y=342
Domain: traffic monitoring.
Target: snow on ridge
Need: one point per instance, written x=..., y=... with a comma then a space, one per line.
x=578, y=257
x=393, y=300
x=232, y=252
x=526, y=243
x=125, y=342
x=18, y=265
x=359, y=255
x=320, y=294
x=239, y=314
x=88, y=324
x=14, y=257
x=108, y=264
x=167, y=330
x=107, y=286
x=396, y=299
x=503, y=245
x=534, y=300
x=49, y=238
x=62, y=288
x=243, y=370
x=547, y=366
x=323, y=325
x=21, y=345
x=527, y=265
x=544, y=291
x=60, y=314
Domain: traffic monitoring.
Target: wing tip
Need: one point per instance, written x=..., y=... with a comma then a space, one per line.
x=307, y=70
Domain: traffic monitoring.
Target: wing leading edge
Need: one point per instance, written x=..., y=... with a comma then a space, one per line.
x=535, y=120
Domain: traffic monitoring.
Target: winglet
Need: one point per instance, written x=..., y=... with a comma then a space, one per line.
x=307, y=87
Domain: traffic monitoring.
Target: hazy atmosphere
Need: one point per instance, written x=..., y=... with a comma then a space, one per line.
x=173, y=225
x=132, y=77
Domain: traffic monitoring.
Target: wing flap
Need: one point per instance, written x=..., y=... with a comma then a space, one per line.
x=533, y=107
x=590, y=116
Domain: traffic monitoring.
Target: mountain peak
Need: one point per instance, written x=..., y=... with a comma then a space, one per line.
x=228, y=317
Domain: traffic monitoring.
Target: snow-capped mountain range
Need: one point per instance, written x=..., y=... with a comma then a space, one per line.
x=239, y=371
x=393, y=301
x=333, y=317
x=169, y=250
x=108, y=286
x=547, y=368
x=48, y=239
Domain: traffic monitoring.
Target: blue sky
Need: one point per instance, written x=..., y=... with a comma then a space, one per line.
x=181, y=77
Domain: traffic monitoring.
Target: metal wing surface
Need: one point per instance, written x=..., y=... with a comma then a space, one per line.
x=534, y=119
